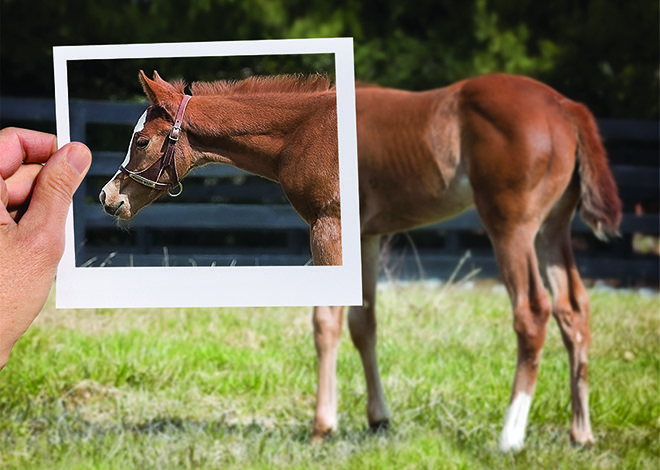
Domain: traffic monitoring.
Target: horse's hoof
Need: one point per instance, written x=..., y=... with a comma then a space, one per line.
x=379, y=426
x=585, y=442
x=320, y=437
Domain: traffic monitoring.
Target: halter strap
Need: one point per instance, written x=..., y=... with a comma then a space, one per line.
x=168, y=158
x=149, y=176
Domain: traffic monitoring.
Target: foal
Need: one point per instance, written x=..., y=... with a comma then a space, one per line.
x=520, y=152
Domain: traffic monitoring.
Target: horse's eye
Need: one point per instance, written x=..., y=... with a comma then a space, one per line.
x=142, y=143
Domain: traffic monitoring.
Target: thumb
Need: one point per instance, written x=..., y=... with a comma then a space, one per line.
x=54, y=188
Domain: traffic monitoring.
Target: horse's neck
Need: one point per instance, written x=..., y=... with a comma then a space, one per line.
x=247, y=131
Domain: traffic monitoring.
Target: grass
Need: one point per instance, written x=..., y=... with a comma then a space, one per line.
x=234, y=388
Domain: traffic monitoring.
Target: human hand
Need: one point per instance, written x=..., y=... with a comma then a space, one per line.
x=37, y=183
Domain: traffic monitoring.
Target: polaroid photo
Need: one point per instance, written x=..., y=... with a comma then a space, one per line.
x=180, y=254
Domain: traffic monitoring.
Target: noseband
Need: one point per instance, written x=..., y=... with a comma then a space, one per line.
x=149, y=176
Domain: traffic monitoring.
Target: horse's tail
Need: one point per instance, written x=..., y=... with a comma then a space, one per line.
x=601, y=206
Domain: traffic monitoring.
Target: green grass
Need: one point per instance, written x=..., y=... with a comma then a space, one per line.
x=235, y=388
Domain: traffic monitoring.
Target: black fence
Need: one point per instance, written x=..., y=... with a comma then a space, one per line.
x=228, y=217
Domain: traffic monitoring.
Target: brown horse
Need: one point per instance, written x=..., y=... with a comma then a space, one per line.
x=520, y=152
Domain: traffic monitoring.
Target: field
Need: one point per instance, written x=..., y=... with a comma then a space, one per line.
x=234, y=388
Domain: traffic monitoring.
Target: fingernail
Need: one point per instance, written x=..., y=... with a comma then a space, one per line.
x=79, y=158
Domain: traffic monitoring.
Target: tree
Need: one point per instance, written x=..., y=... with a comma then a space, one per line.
x=601, y=52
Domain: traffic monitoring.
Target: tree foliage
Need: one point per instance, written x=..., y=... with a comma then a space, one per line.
x=601, y=52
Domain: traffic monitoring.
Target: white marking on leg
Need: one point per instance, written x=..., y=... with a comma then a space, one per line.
x=515, y=423
x=578, y=338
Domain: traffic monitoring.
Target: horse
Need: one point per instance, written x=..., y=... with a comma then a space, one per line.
x=520, y=152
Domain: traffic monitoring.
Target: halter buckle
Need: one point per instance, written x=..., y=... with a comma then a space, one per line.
x=175, y=133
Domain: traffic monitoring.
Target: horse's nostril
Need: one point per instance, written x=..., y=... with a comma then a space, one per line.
x=102, y=197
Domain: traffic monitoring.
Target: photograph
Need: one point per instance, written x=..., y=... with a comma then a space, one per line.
x=295, y=131
x=232, y=212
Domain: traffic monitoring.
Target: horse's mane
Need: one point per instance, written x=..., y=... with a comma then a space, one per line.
x=263, y=84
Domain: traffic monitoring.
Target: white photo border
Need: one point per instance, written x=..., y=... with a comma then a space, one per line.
x=145, y=287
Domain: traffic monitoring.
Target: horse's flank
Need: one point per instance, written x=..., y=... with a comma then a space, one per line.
x=410, y=166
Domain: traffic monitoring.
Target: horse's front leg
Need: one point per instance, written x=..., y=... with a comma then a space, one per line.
x=325, y=241
x=327, y=332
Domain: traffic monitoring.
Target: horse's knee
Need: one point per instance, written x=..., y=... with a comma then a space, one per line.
x=327, y=323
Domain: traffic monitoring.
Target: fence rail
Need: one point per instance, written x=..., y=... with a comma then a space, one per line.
x=246, y=220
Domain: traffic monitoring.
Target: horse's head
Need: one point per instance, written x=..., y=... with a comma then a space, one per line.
x=158, y=155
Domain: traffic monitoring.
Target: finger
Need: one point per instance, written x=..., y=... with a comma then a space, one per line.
x=20, y=184
x=24, y=145
x=53, y=190
x=5, y=218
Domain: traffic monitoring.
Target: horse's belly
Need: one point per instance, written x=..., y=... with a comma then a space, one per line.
x=406, y=210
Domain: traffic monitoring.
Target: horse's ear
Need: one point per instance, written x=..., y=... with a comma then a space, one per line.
x=159, y=92
x=149, y=87
x=159, y=80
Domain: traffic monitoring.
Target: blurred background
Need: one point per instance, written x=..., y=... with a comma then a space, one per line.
x=603, y=53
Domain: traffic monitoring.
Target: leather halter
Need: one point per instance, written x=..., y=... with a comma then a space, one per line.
x=149, y=176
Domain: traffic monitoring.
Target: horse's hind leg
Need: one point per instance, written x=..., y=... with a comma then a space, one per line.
x=570, y=308
x=514, y=249
x=362, y=325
